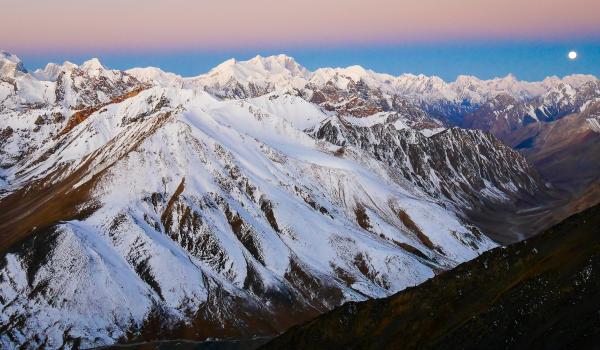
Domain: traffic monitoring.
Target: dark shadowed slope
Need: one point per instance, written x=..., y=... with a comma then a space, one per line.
x=539, y=293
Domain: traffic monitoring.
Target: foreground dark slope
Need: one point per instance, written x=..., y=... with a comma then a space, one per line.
x=539, y=293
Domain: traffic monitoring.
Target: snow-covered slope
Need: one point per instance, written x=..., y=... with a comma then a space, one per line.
x=223, y=191
x=294, y=109
x=235, y=203
x=466, y=167
x=153, y=75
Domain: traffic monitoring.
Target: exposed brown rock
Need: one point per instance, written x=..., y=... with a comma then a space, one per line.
x=362, y=218
x=166, y=215
x=79, y=116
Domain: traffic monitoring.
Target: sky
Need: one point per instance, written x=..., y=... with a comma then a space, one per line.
x=486, y=38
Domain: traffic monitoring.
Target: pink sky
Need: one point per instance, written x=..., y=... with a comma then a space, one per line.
x=30, y=25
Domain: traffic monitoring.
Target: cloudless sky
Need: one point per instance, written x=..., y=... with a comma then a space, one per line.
x=486, y=38
x=527, y=61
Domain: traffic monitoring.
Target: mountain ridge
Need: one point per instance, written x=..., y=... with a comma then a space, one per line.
x=215, y=205
x=574, y=79
x=537, y=293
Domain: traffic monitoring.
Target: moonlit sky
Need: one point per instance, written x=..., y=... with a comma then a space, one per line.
x=490, y=38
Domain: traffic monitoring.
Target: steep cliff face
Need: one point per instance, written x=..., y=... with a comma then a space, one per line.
x=462, y=166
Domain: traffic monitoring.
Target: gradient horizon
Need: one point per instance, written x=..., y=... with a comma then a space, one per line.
x=232, y=24
x=526, y=61
x=491, y=38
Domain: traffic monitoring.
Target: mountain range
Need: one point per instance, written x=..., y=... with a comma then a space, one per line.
x=139, y=205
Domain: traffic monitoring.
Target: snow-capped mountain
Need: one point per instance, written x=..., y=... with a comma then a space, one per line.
x=10, y=65
x=504, y=114
x=448, y=101
x=138, y=204
x=566, y=150
x=255, y=77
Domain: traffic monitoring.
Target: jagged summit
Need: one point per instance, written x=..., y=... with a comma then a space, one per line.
x=577, y=80
x=258, y=67
x=262, y=66
x=153, y=75
x=92, y=65
x=10, y=64
x=261, y=75
x=254, y=77
x=343, y=75
x=52, y=70
x=278, y=62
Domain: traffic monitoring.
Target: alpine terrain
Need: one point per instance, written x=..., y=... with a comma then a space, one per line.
x=534, y=294
x=139, y=205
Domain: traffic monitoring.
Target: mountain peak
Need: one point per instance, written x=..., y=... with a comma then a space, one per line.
x=92, y=65
x=510, y=78
x=229, y=62
x=282, y=58
x=577, y=80
x=52, y=70
x=279, y=67
x=466, y=79
x=10, y=64
x=357, y=70
x=277, y=63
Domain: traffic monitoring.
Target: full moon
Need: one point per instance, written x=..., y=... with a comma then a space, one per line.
x=572, y=55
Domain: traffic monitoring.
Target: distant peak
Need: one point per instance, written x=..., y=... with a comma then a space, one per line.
x=284, y=56
x=551, y=78
x=273, y=58
x=577, y=80
x=256, y=58
x=69, y=65
x=280, y=60
x=259, y=66
x=92, y=64
x=53, y=70
x=356, y=69
x=467, y=79
x=509, y=77
x=10, y=64
x=225, y=65
x=229, y=62
x=7, y=56
x=264, y=61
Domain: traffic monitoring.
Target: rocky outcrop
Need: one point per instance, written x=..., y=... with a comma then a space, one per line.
x=463, y=166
